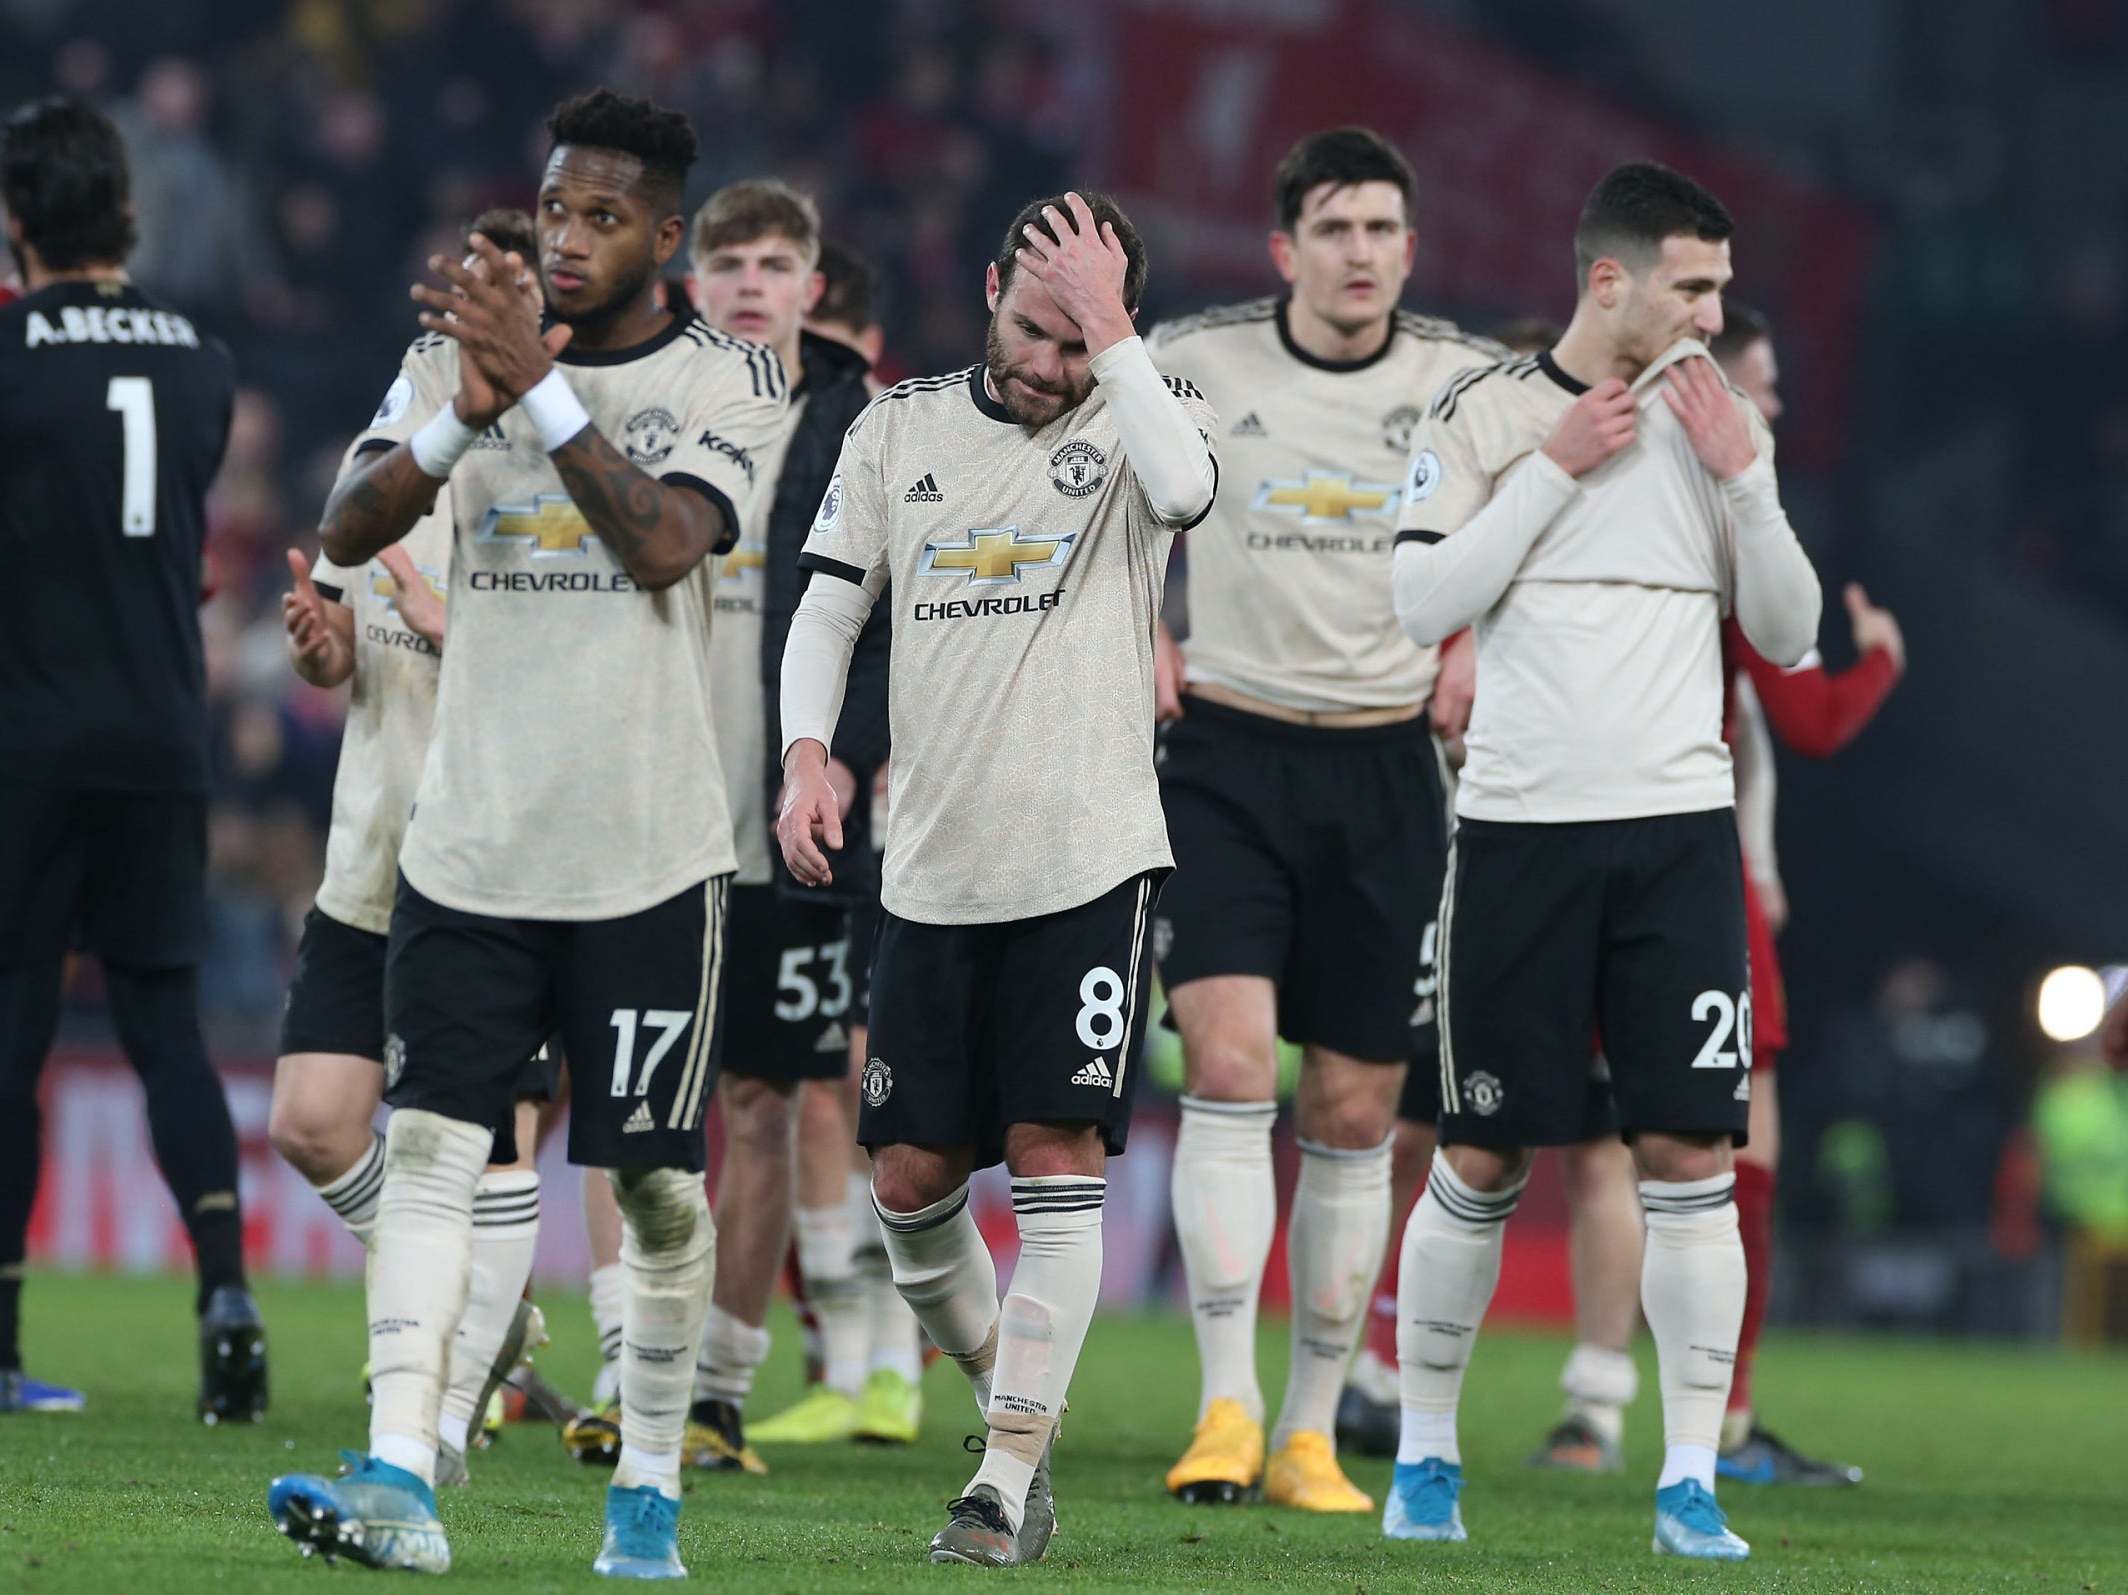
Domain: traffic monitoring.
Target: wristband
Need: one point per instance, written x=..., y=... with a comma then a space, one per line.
x=555, y=410
x=439, y=445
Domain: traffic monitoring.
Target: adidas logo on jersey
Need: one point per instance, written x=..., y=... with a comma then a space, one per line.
x=492, y=437
x=1096, y=1073
x=833, y=1039
x=1249, y=426
x=924, y=492
x=640, y=1120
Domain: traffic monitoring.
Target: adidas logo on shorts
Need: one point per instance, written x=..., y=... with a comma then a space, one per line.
x=1096, y=1073
x=640, y=1120
x=924, y=492
x=833, y=1039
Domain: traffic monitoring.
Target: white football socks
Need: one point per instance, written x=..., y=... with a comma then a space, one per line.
x=354, y=1194
x=420, y=1267
x=1692, y=1291
x=1334, y=1248
x=1600, y=1384
x=947, y=1276
x=1226, y=1207
x=1446, y=1272
x=827, y=1261
x=892, y=1334
x=669, y=1255
x=1041, y=1327
x=505, y=1235
x=732, y=1352
x=609, y=1288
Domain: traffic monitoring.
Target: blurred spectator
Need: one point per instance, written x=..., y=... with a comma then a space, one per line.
x=2080, y=1119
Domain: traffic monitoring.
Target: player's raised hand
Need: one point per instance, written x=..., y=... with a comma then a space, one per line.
x=417, y=602
x=1700, y=399
x=1874, y=627
x=316, y=647
x=810, y=818
x=1596, y=426
x=482, y=307
x=1084, y=270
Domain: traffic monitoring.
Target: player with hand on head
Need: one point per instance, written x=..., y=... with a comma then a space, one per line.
x=114, y=413
x=382, y=628
x=594, y=467
x=1304, y=797
x=1596, y=510
x=1011, y=975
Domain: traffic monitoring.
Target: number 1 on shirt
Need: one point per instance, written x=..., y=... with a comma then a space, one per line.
x=134, y=400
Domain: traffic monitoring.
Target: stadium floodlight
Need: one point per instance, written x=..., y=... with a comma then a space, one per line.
x=2072, y=1000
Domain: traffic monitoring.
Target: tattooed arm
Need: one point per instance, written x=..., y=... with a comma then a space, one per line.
x=659, y=531
x=375, y=505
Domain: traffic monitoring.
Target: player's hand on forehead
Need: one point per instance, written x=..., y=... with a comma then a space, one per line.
x=1083, y=267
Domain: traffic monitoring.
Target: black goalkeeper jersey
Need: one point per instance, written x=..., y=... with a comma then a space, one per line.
x=114, y=412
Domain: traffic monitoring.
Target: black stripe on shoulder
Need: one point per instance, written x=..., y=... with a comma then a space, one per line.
x=1525, y=368
x=1446, y=331
x=1444, y=404
x=1183, y=388
x=831, y=567
x=908, y=389
x=1414, y=535
x=428, y=341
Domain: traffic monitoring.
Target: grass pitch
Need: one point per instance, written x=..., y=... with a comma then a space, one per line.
x=1989, y=1469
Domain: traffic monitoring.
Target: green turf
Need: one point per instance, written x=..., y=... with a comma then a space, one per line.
x=1989, y=1469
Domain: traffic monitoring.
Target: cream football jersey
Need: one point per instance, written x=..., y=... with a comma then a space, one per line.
x=1025, y=570
x=390, y=708
x=573, y=773
x=738, y=690
x=1288, y=580
x=1599, y=670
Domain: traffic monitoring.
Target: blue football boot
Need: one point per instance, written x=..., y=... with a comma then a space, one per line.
x=20, y=1393
x=374, y=1514
x=1688, y=1523
x=642, y=1535
x=1422, y=1502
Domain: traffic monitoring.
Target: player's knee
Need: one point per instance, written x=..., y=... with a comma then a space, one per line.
x=1675, y=1158
x=1352, y=1123
x=310, y=1140
x=758, y=1117
x=907, y=1179
x=666, y=1210
x=1485, y=1168
x=1226, y=1069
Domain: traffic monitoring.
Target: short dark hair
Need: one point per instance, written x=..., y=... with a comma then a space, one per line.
x=1636, y=207
x=664, y=141
x=1528, y=334
x=1742, y=327
x=739, y=213
x=1104, y=210
x=508, y=229
x=63, y=176
x=1341, y=156
x=846, y=300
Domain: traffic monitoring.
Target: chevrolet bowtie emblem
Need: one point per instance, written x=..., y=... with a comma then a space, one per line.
x=739, y=561
x=1329, y=496
x=994, y=555
x=551, y=524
